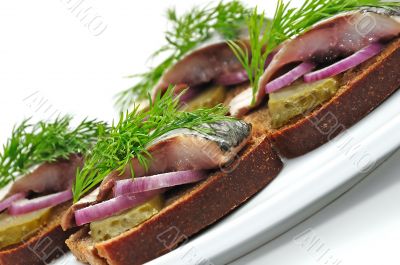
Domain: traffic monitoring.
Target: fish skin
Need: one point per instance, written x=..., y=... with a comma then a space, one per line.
x=392, y=11
x=341, y=34
x=225, y=133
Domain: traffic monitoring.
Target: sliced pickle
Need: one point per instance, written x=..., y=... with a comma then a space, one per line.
x=116, y=225
x=15, y=229
x=298, y=99
x=207, y=99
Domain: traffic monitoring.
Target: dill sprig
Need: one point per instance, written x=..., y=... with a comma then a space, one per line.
x=33, y=144
x=134, y=132
x=287, y=23
x=186, y=32
x=258, y=26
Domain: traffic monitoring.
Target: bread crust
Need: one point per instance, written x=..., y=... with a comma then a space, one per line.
x=82, y=246
x=202, y=206
x=362, y=94
x=46, y=245
x=39, y=250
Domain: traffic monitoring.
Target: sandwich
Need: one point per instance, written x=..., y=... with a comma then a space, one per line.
x=186, y=174
x=327, y=78
x=167, y=172
x=38, y=166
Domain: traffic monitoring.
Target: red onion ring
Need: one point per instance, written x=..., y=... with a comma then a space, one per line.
x=289, y=77
x=345, y=64
x=158, y=181
x=27, y=206
x=8, y=201
x=113, y=206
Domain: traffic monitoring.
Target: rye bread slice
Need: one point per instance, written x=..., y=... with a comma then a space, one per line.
x=43, y=245
x=189, y=213
x=364, y=88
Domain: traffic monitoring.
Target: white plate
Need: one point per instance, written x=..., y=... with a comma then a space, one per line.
x=304, y=186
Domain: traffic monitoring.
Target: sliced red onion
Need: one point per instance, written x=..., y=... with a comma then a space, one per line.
x=289, y=77
x=113, y=206
x=234, y=78
x=27, y=206
x=8, y=201
x=158, y=181
x=345, y=64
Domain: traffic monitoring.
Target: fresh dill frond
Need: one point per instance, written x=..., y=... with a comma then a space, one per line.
x=258, y=27
x=134, y=132
x=33, y=144
x=186, y=32
x=287, y=23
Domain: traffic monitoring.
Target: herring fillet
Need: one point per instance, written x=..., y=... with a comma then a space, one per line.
x=327, y=41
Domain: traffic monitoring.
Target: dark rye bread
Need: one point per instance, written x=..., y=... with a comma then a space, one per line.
x=364, y=89
x=45, y=245
x=190, y=213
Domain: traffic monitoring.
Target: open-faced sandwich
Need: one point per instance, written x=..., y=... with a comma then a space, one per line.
x=165, y=173
x=164, y=168
x=328, y=77
x=38, y=166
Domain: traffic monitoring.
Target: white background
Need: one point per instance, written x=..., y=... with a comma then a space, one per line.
x=51, y=62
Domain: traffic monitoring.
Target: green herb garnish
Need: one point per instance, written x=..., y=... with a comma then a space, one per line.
x=187, y=31
x=287, y=23
x=33, y=144
x=259, y=27
x=132, y=134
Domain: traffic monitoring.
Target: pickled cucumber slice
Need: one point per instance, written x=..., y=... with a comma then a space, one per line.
x=207, y=99
x=15, y=229
x=298, y=99
x=116, y=225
